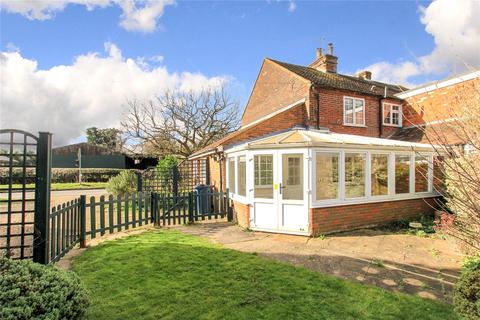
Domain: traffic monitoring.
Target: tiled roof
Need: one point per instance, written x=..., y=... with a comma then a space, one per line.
x=344, y=82
x=437, y=133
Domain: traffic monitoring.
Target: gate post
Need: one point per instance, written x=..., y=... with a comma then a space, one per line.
x=83, y=221
x=190, y=207
x=42, y=198
x=139, y=181
x=175, y=179
x=153, y=208
x=229, y=207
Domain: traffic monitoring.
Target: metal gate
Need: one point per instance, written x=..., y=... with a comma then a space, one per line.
x=25, y=165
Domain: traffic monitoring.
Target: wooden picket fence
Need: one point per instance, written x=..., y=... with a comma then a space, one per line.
x=76, y=221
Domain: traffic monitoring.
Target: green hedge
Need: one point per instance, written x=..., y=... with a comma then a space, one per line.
x=466, y=296
x=61, y=175
x=33, y=291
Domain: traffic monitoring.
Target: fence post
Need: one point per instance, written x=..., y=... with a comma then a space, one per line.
x=229, y=207
x=175, y=180
x=139, y=181
x=83, y=221
x=42, y=198
x=190, y=207
x=152, y=207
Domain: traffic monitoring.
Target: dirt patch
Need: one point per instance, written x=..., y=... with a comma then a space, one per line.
x=427, y=267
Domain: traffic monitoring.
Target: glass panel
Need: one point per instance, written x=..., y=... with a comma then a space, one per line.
x=395, y=118
x=402, y=174
x=231, y=174
x=292, y=176
x=421, y=174
x=263, y=173
x=379, y=175
x=386, y=114
x=359, y=112
x=327, y=176
x=354, y=175
x=242, y=175
x=348, y=110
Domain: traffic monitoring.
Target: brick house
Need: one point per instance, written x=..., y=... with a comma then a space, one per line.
x=315, y=154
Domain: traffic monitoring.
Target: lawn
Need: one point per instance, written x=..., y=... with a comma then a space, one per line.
x=170, y=275
x=64, y=186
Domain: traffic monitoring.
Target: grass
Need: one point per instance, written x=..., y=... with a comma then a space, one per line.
x=64, y=186
x=170, y=275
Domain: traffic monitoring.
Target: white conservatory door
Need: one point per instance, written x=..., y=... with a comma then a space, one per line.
x=279, y=198
x=292, y=200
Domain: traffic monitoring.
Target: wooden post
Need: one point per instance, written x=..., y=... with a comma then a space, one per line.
x=83, y=221
x=190, y=207
x=175, y=180
x=229, y=208
x=42, y=198
x=139, y=182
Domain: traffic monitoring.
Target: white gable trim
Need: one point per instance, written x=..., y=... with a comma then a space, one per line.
x=274, y=113
x=438, y=85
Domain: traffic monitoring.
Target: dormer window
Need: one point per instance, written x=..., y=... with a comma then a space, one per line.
x=392, y=114
x=353, y=111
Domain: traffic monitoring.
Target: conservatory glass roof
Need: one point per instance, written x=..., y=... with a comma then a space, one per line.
x=325, y=138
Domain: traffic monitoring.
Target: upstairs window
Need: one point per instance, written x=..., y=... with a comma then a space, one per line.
x=353, y=111
x=392, y=115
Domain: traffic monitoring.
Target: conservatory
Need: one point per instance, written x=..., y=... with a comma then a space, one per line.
x=307, y=181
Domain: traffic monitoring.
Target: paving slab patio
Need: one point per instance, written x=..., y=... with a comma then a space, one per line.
x=427, y=267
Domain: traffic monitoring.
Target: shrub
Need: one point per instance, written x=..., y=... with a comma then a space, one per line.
x=33, y=291
x=467, y=290
x=165, y=169
x=60, y=175
x=123, y=183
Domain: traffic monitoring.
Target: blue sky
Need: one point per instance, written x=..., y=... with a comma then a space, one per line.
x=230, y=39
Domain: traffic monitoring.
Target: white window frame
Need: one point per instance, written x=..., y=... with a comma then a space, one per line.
x=369, y=198
x=340, y=172
x=399, y=112
x=234, y=195
x=365, y=178
x=237, y=161
x=390, y=156
x=354, y=124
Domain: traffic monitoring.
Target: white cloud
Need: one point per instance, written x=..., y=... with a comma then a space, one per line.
x=455, y=27
x=142, y=18
x=91, y=91
x=292, y=6
x=136, y=15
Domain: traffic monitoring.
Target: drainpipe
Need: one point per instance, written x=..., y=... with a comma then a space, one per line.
x=380, y=117
x=380, y=113
x=318, y=110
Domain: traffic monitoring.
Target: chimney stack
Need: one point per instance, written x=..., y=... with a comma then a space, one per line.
x=367, y=75
x=325, y=62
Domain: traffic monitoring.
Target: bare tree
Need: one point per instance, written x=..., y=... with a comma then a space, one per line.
x=180, y=123
x=455, y=137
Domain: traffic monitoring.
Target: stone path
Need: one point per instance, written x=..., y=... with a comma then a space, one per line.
x=427, y=267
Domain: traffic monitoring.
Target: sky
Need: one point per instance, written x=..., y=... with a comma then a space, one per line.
x=68, y=65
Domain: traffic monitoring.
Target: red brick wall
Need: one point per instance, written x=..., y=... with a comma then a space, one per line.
x=341, y=218
x=331, y=113
x=439, y=104
x=241, y=214
x=282, y=121
x=274, y=89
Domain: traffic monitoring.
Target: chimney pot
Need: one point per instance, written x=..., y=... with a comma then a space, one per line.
x=365, y=75
x=325, y=62
x=330, y=49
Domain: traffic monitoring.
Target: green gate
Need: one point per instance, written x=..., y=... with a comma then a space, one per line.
x=25, y=165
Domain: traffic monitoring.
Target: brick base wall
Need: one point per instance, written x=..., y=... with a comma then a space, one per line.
x=241, y=214
x=342, y=218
